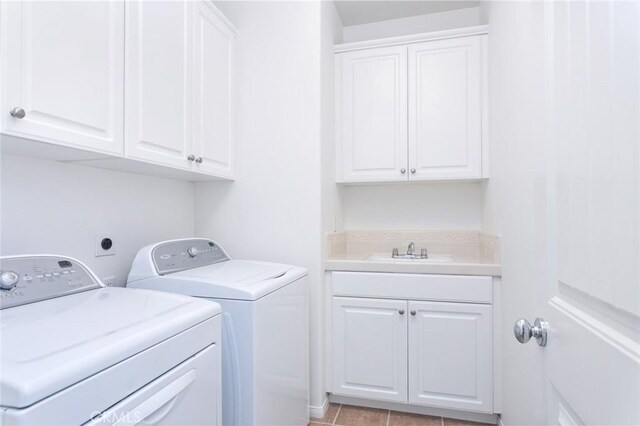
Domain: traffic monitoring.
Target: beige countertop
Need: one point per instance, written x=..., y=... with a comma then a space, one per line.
x=471, y=252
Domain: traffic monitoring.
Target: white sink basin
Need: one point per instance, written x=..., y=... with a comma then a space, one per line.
x=386, y=257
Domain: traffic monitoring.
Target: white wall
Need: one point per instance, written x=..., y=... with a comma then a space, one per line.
x=273, y=211
x=413, y=206
x=515, y=196
x=57, y=208
x=331, y=28
x=413, y=25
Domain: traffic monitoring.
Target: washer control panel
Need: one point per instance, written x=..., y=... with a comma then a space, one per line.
x=175, y=256
x=28, y=279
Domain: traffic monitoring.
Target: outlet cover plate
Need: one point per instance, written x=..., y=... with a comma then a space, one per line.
x=98, y=244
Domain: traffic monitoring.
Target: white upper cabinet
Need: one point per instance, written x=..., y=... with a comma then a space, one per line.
x=371, y=93
x=445, y=113
x=140, y=86
x=157, y=84
x=412, y=110
x=213, y=39
x=63, y=73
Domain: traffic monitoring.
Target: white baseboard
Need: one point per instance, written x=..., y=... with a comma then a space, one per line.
x=318, y=412
x=417, y=409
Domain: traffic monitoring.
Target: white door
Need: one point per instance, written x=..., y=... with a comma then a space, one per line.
x=450, y=355
x=565, y=109
x=157, y=99
x=371, y=94
x=213, y=41
x=593, y=307
x=62, y=73
x=445, y=109
x=369, y=348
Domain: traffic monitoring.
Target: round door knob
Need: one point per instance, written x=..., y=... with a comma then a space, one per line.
x=413, y=170
x=413, y=313
x=401, y=311
x=191, y=157
x=524, y=332
x=18, y=113
x=403, y=171
x=199, y=160
x=193, y=251
x=8, y=280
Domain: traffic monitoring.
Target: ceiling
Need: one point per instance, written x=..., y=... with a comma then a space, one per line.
x=356, y=12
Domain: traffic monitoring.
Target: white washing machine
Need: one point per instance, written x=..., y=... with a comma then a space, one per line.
x=265, y=330
x=74, y=352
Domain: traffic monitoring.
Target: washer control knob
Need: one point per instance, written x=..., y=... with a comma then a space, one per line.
x=8, y=280
x=193, y=251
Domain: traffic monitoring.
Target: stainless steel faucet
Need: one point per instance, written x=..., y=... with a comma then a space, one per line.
x=411, y=249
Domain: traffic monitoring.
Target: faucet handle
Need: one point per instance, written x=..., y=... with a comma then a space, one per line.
x=423, y=254
x=411, y=248
x=394, y=252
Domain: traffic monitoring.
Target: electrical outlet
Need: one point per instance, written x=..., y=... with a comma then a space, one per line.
x=105, y=244
x=109, y=281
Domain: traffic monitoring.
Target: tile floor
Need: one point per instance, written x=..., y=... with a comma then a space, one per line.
x=349, y=415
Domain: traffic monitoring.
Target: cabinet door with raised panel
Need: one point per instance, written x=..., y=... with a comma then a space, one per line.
x=445, y=109
x=371, y=123
x=450, y=353
x=369, y=346
x=157, y=99
x=213, y=42
x=62, y=73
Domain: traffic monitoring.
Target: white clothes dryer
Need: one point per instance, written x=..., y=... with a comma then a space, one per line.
x=74, y=352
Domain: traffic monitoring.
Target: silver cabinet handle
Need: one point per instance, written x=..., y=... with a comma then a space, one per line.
x=401, y=311
x=413, y=170
x=523, y=331
x=199, y=160
x=403, y=171
x=413, y=313
x=18, y=113
x=191, y=157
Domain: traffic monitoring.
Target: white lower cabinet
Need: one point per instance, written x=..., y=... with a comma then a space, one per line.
x=450, y=363
x=370, y=348
x=428, y=353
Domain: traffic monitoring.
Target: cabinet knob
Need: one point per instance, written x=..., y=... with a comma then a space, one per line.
x=199, y=160
x=413, y=313
x=403, y=171
x=191, y=157
x=413, y=170
x=18, y=113
x=401, y=311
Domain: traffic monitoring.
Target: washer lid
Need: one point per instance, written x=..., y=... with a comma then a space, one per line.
x=233, y=279
x=49, y=345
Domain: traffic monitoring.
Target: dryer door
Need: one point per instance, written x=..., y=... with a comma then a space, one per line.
x=188, y=394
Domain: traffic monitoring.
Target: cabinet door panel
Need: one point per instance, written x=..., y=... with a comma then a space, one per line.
x=370, y=348
x=63, y=63
x=450, y=353
x=213, y=49
x=445, y=121
x=372, y=114
x=157, y=87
